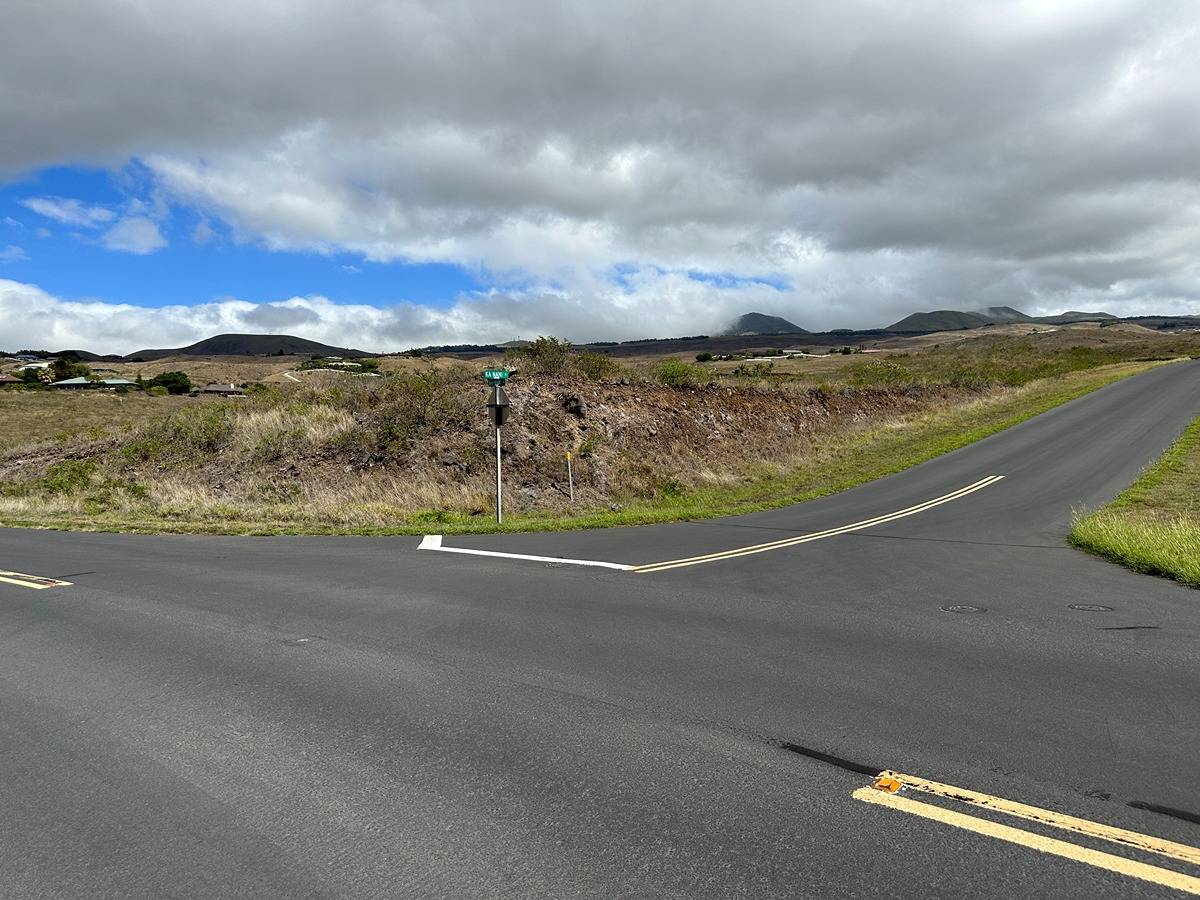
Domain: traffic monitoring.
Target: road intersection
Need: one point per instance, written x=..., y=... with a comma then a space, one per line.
x=719, y=710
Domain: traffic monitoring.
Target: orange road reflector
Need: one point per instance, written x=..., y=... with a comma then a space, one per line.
x=888, y=784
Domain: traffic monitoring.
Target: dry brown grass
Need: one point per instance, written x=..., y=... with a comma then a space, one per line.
x=37, y=416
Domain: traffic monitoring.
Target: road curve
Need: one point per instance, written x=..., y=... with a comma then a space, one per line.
x=355, y=717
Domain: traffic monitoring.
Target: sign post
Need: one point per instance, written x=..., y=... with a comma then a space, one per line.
x=570, y=477
x=499, y=407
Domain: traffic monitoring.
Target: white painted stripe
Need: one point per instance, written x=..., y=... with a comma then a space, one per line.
x=434, y=542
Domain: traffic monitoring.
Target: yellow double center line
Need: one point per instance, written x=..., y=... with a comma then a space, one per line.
x=891, y=788
x=816, y=536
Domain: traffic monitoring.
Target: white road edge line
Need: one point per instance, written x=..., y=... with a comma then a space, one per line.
x=434, y=542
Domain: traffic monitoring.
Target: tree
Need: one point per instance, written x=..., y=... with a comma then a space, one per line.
x=68, y=367
x=174, y=382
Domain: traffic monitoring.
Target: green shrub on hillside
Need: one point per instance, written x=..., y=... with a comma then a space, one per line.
x=679, y=374
x=551, y=356
x=545, y=356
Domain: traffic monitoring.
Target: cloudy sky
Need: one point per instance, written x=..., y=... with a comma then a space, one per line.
x=388, y=174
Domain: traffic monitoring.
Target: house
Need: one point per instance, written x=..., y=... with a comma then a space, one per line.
x=33, y=365
x=223, y=390
x=10, y=379
x=110, y=383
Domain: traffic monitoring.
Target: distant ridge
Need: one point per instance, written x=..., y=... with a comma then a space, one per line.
x=760, y=323
x=1003, y=315
x=1068, y=317
x=249, y=345
x=956, y=319
x=940, y=320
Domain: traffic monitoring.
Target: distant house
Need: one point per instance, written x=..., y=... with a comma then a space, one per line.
x=10, y=379
x=83, y=383
x=33, y=365
x=223, y=390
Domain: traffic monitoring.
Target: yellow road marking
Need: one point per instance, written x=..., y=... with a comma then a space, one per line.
x=803, y=539
x=1181, y=852
x=37, y=582
x=1053, y=846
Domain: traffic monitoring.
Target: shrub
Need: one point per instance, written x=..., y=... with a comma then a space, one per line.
x=545, y=356
x=679, y=374
x=595, y=366
x=704, y=357
x=173, y=382
x=157, y=391
x=753, y=370
x=68, y=475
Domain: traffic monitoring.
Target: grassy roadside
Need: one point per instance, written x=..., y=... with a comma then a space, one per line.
x=841, y=462
x=1154, y=525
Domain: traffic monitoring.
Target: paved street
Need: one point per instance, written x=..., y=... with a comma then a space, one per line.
x=359, y=717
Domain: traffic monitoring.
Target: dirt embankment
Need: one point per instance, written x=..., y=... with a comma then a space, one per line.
x=428, y=444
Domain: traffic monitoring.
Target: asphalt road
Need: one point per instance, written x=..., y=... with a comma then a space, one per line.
x=355, y=717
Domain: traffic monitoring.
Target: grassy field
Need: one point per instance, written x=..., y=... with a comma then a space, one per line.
x=1154, y=526
x=407, y=456
x=58, y=416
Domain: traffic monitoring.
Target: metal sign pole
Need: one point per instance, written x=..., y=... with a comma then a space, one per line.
x=570, y=477
x=499, y=483
x=498, y=406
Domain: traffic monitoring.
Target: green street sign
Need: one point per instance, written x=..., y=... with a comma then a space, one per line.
x=495, y=375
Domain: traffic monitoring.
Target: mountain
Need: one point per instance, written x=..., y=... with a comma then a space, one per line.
x=955, y=319
x=940, y=320
x=1072, y=316
x=1003, y=315
x=249, y=345
x=759, y=323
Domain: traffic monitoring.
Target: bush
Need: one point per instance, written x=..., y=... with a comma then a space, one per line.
x=545, y=356
x=68, y=475
x=704, y=357
x=753, y=370
x=595, y=366
x=679, y=374
x=157, y=390
x=172, y=382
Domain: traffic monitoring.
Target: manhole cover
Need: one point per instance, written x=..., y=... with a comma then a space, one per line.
x=963, y=609
x=1090, y=607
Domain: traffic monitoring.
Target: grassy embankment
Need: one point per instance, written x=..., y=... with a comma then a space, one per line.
x=1154, y=525
x=150, y=479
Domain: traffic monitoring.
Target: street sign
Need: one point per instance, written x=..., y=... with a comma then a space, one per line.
x=495, y=376
x=499, y=406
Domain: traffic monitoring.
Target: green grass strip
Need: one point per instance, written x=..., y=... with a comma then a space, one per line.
x=1154, y=525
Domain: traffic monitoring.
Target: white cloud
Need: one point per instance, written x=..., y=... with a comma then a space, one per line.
x=649, y=303
x=69, y=211
x=134, y=234
x=877, y=157
x=12, y=253
x=203, y=232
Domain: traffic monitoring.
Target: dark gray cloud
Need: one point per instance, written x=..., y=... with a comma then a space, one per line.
x=874, y=156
